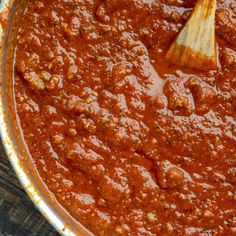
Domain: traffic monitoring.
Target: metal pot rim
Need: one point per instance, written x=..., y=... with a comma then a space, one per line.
x=32, y=190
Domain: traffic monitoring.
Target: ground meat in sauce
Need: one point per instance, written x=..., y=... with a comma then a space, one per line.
x=127, y=143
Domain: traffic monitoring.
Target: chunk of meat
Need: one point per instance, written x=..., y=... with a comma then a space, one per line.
x=82, y=157
x=174, y=177
x=180, y=104
x=121, y=70
x=178, y=99
x=34, y=80
x=226, y=26
x=76, y=104
x=204, y=95
x=231, y=175
x=38, y=80
x=142, y=179
x=114, y=186
x=227, y=57
x=87, y=124
x=169, y=176
x=74, y=26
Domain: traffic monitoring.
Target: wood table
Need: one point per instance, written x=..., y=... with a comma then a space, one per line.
x=18, y=216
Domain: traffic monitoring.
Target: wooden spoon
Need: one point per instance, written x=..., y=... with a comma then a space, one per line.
x=195, y=45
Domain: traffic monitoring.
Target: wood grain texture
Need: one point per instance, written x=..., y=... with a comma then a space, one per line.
x=195, y=45
x=18, y=216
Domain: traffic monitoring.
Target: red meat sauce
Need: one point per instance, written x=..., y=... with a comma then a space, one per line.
x=127, y=143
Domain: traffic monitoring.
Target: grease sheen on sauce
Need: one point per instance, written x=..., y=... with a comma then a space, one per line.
x=127, y=143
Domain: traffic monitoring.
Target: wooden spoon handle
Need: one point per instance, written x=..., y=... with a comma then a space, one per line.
x=195, y=45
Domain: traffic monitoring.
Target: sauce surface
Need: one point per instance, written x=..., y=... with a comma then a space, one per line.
x=127, y=143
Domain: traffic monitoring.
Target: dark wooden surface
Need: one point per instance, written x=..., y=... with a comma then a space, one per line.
x=18, y=216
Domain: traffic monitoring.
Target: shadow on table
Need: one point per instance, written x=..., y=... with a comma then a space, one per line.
x=18, y=216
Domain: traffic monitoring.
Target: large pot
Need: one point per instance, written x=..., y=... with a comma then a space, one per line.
x=10, y=10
